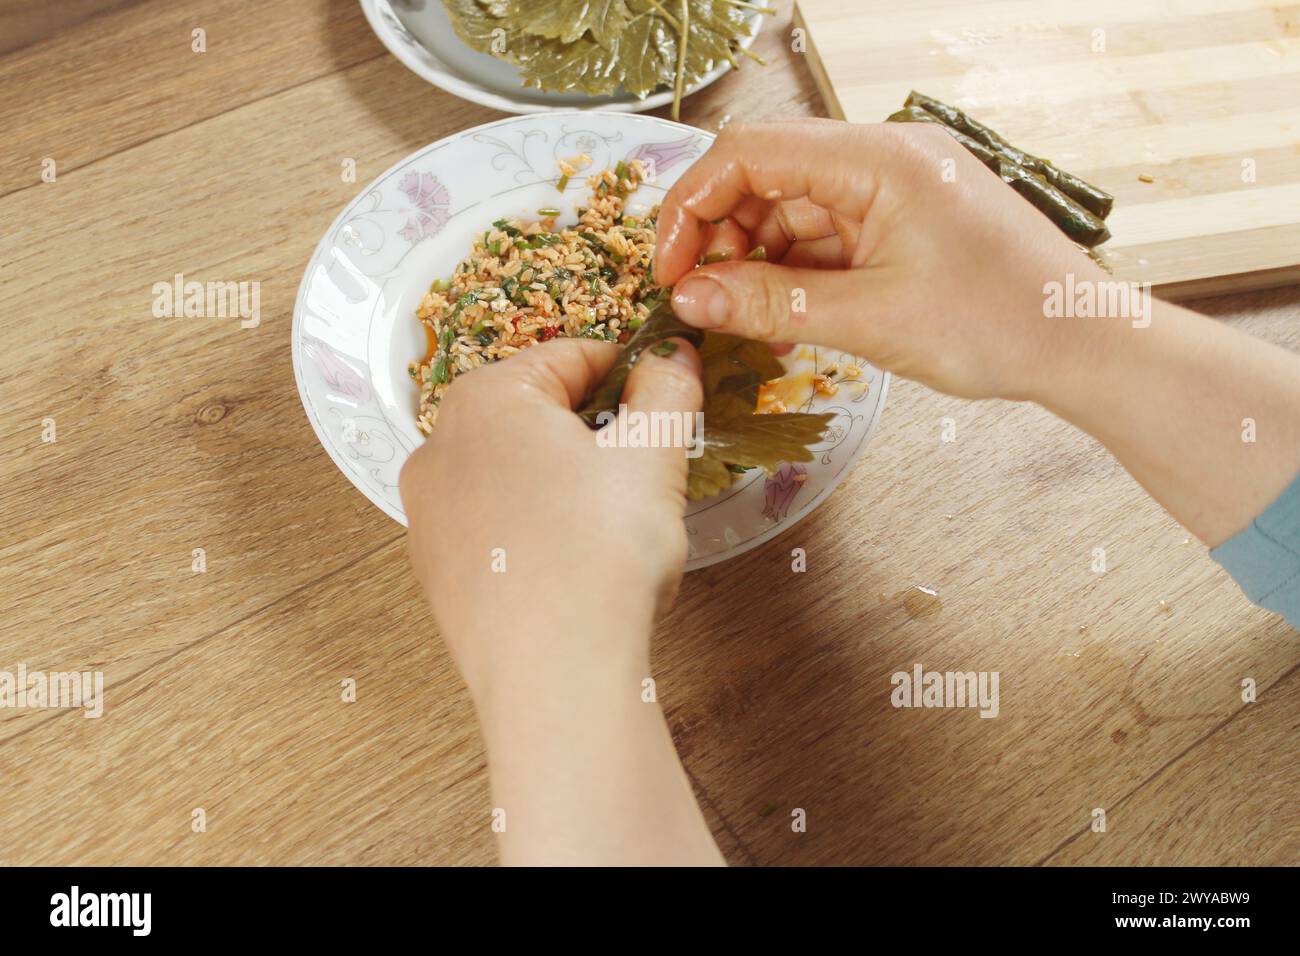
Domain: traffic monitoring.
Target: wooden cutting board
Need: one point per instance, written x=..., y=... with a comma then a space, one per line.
x=1200, y=96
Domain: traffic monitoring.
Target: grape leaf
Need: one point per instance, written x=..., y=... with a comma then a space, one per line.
x=718, y=16
x=583, y=65
x=752, y=441
x=756, y=355
x=660, y=326
x=600, y=46
x=707, y=477
x=567, y=20
x=707, y=47
x=649, y=53
x=478, y=27
x=733, y=370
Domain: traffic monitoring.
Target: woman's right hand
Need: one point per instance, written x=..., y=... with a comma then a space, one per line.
x=914, y=255
x=900, y=246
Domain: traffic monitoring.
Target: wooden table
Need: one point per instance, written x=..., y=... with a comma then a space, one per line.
x=223, y=688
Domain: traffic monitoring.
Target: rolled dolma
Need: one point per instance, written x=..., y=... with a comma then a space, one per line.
x=914, y=114
x=1095, y=200
x=1070, y=217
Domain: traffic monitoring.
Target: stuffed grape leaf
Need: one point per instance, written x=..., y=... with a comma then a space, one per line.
x=734, y=435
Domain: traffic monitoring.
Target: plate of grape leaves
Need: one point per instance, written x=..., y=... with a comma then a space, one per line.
x=530, y=56
x=779, y=434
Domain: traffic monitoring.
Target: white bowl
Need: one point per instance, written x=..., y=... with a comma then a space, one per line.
x=355, y=331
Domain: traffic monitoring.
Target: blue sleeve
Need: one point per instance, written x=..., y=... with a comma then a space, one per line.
x=1264, y=559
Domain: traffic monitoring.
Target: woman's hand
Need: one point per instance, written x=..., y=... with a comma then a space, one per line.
x=903, y=248
x=544, y=556
x=889, y=241
x=542, y=553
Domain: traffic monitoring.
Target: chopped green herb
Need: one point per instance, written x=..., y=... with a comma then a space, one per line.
x=548, y=212
x=590, y=331
x=464, y=300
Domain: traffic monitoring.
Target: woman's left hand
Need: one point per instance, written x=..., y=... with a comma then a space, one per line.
x=541, y=552
x=545, y=555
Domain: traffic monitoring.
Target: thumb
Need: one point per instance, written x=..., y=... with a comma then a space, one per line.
x=666, y=378
x=775, y=303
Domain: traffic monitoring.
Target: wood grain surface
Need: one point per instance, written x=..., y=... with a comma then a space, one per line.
x=1119, y=690
x=1188, y=112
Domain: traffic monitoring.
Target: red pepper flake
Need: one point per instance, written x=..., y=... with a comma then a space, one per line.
x=547, y=332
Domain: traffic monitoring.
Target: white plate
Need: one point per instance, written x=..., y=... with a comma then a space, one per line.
x=355, y=331
x=419, y=33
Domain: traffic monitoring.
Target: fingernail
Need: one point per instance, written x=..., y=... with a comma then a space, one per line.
x=672, y=349
x=702, y=302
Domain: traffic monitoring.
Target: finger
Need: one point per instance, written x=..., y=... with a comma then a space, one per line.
x=561, y=371
x=791, y=222
x=777, y=303
x=824, y=253
x=752, y=211
x=759, y=161
x=666, y=379
x=727, y=240
x=800, y=220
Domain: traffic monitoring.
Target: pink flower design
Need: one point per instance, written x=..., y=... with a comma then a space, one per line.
x=431, y=201
x=660, y=156
x=780, y=490
x=341, y=377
